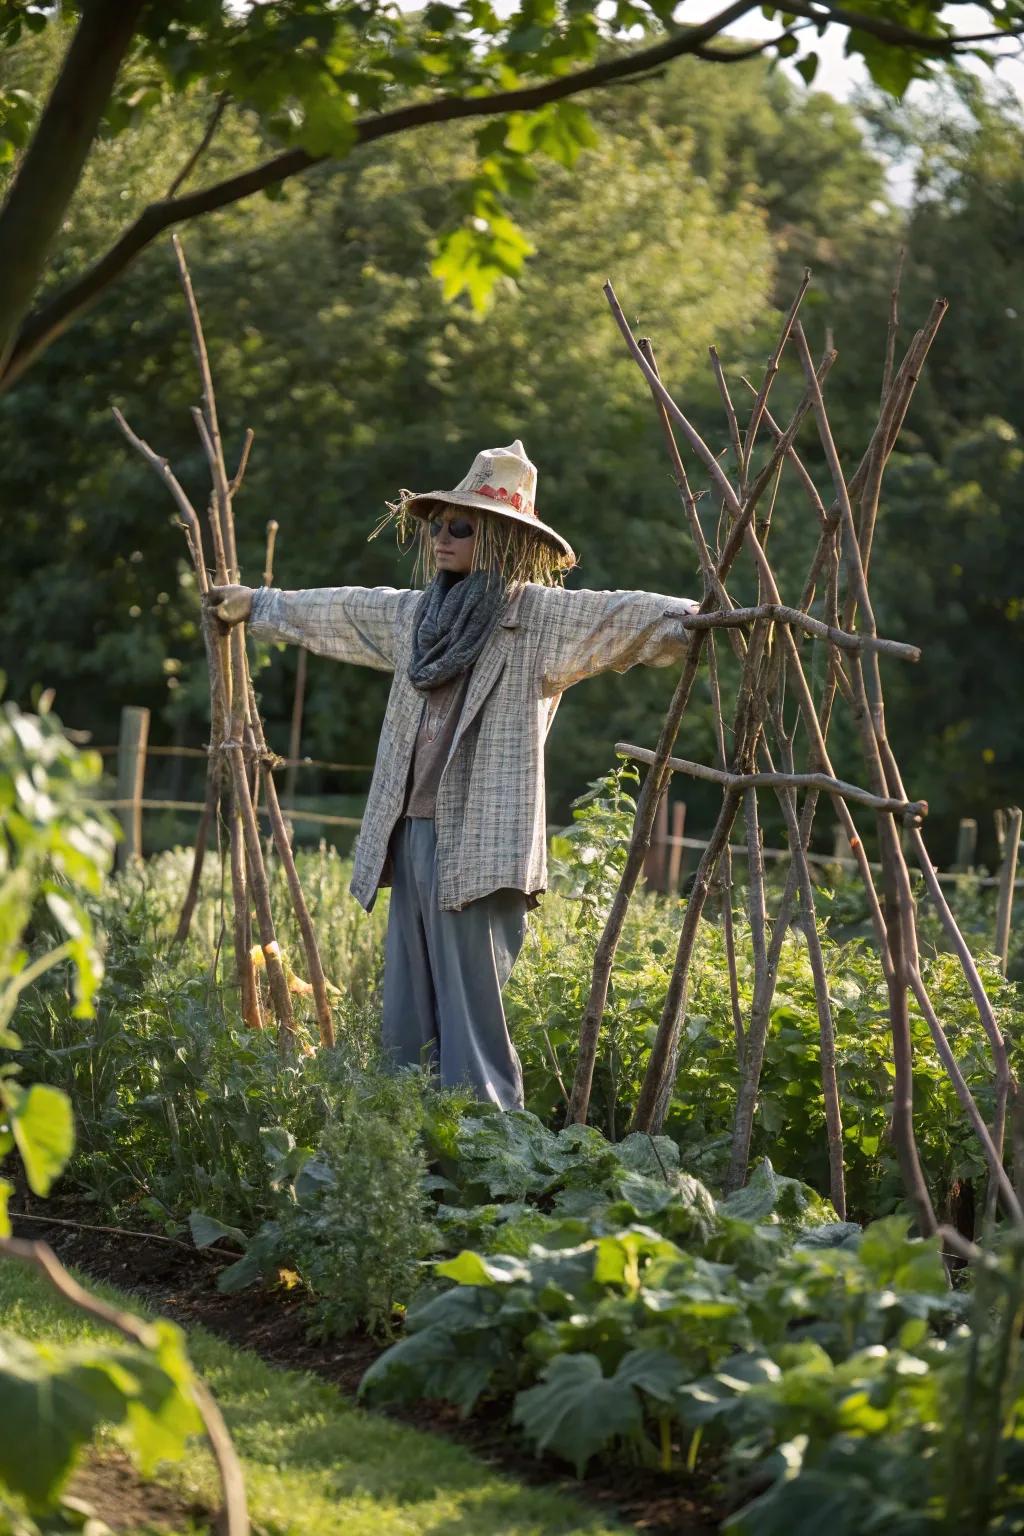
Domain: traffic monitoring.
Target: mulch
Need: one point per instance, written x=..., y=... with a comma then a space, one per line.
x=106, y=1486
x=275, y=1324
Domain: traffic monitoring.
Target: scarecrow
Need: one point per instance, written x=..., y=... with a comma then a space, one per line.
x=455, y=817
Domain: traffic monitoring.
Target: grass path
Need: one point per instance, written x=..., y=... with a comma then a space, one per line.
x=314, y=1464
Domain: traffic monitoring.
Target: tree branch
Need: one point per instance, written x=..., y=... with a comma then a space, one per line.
x=780, y=614
x=737, y=55
x=203, y=145
x=55, y=159
x=50, y=320
x=893, y=31
x=53, y=318
x=825, y=782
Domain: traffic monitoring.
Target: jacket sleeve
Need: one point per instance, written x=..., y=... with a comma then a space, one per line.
x=583, y=633
x=357, y=624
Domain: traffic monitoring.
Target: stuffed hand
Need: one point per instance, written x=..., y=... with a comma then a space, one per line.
x=231, y=605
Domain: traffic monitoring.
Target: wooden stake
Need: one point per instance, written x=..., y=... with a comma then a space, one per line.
x=675, y=853
x=1008, y=823
x=131, y=770
x=295, y=733
x=654, y=863
x=966, y=844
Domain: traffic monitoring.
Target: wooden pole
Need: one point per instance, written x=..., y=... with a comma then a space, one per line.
x=1008, y=823
x=654, y=863
x=279, y=831
x=131, y=771
x=295, y=736
x=675, y=852
x=966, y=845
x=841, y=850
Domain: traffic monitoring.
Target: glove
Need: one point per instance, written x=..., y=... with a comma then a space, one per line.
x=231, y=605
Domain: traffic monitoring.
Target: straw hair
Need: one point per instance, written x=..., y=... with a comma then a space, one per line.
x=517, y=552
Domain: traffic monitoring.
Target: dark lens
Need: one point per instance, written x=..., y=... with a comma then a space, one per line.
x=461, y=528
x=435, y=528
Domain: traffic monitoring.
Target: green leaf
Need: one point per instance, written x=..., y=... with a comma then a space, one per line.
x=469, y=1268
x=44, y=1130
x=811, y=1503
x=576, y=1409
x=654, y=1371
x=433, y=1363
x=892, y=69
x=207, y=1229
x=262, y=1253
x=6, y=1191
x=718, y=1393
x=653, y=1155
x=47, y=1410
x=53, y=1400
x=807, y=67
x=160, y=1419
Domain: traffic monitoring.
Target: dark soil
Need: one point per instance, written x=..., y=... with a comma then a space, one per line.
x=107, y=1486
x=181, y=1283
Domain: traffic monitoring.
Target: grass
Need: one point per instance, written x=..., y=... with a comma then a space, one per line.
x=314, y=1464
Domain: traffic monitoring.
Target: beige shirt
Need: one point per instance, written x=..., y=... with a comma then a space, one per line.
x=490, y=811
x=442, y=708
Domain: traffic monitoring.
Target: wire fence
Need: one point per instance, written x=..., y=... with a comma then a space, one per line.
x=663, y=867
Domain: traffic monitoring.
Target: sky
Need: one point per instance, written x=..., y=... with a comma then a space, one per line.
x=840, y=76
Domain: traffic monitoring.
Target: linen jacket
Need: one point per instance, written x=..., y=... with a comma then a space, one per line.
x=490, y=813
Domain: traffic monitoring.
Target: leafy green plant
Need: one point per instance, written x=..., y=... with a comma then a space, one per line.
x=52, y=849
x=52, y=1400
x=353, y=1218
x=830, y=1368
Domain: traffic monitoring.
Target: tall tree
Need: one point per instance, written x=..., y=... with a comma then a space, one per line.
x=326, y=77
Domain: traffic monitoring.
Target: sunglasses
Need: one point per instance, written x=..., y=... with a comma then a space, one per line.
x=459, y=527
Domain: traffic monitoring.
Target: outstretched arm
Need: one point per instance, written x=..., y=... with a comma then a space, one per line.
x=584, y=633
x=356, y=624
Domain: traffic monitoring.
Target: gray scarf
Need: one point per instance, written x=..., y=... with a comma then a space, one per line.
x=454, y=620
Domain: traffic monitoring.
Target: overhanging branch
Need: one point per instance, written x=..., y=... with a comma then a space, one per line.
x=51, y=319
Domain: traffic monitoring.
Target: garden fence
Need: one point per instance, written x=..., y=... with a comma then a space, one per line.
x=664, y=866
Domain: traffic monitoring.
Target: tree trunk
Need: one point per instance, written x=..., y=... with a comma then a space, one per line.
x=54, y=160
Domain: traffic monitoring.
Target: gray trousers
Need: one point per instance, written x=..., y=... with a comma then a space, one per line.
x=443, y=975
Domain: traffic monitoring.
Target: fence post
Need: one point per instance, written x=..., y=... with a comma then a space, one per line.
x=675, y=852
x=1008, y=834
x=654, y=863
x=966, y=845
x=131, y=770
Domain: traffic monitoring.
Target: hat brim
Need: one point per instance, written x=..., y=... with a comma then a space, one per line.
x=424, y=503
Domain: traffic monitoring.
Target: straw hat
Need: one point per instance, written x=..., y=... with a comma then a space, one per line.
x=502, y=482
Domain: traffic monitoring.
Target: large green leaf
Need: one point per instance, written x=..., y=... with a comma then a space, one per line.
x=576, y=1409
x=809, y=1504
x=44, y=1130
x=435, y=1363
x=207, y=1229
x=52, y=1401
x=469, y=1268
x=163, y=1414
x=654, y=1371
x=47, y=1410
x=720, y=1392
x=769, y=1194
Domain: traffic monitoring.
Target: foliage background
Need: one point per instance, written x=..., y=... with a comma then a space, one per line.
x=703, y=202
